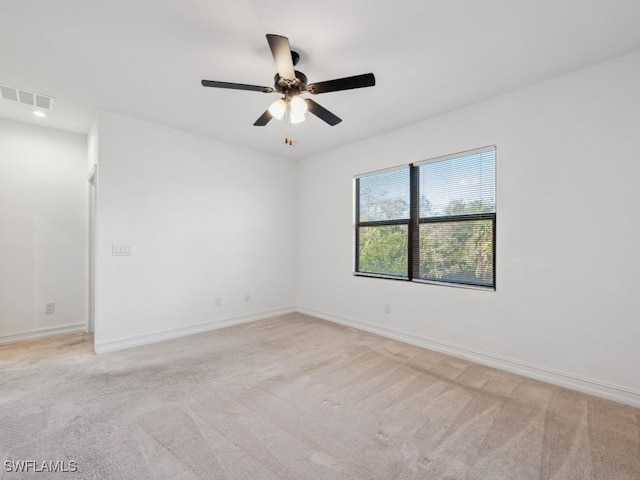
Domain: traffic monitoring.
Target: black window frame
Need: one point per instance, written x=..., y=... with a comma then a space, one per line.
x=379, y=223
x=415, y=221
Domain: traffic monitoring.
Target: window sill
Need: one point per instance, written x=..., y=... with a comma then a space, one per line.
x=485, y=288
x=467, y=286
x=376, y=275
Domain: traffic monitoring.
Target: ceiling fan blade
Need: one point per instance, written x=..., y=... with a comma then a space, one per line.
x=347, y=83
x=281, y=52
x=236, y=86
x=264, y=119
x=322, y=113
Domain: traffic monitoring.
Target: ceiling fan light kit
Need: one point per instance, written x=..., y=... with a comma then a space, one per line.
x=278, y=109
x=291, y=84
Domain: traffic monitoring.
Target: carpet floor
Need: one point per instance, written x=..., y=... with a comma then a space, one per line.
x=297, y=398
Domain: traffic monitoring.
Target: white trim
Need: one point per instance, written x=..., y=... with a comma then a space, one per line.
x=91, y=274
x=170, y=333
x=616, y=393
x=91, y=176
x=382, y=170
x=467, y=153
x=41, y=332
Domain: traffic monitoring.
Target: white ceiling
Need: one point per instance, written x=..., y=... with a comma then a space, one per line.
x=145, y=58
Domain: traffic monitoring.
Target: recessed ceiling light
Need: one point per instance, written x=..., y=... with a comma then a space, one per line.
x=39, y=113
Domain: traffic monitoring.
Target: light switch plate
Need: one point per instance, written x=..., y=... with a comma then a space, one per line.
x=121, y=250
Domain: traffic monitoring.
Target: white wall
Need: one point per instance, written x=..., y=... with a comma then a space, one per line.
x=567, y=305
x=204, y=219
x=43, y=230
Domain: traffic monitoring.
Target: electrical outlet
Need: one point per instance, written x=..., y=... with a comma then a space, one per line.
x=217, y=302
x=49, y=307
x=387, y=308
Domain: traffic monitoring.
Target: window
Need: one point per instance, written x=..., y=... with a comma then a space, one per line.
x=383, y=223
x=433, y=221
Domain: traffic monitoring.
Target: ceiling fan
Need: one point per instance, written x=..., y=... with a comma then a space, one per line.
x=291, y=84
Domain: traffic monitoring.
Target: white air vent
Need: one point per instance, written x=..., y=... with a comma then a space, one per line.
x=28, y=98
x=44, y=102
x=9, y=93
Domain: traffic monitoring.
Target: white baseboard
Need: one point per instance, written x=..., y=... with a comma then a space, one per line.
x=597, y=388
x=168, y=334
x=41, y=332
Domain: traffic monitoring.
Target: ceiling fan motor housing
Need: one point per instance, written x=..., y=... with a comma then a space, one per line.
x=291, y=87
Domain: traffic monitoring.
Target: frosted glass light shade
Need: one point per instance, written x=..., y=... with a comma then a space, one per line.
x=298, y=106
x=278, y=108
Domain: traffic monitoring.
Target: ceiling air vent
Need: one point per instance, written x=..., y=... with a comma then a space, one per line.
x=28, y=98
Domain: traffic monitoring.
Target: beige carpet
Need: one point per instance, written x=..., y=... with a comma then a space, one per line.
x=298, y=398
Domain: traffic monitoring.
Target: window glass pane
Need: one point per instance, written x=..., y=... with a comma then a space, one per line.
x=383, y=250
x=457, y=252
x=458, y=186
x=384, y=196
